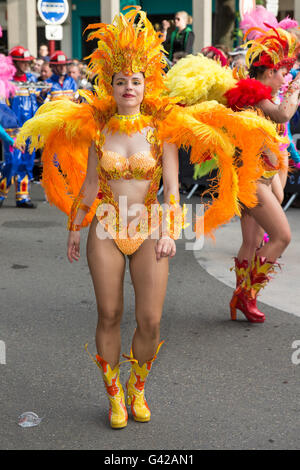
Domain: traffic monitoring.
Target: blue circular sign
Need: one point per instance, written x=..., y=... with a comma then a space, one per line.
x=53, y=11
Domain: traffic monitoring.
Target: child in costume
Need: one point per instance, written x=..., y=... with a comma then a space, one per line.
x=118, y=144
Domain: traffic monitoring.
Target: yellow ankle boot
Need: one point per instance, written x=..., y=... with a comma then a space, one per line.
x=118, y=415
x=135, y=387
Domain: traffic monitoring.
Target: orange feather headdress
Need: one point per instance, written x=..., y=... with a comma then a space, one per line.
x=129, y=45
x=274, y=49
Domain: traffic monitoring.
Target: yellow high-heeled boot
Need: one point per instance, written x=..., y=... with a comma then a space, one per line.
x=136, y=387
x=118, y=415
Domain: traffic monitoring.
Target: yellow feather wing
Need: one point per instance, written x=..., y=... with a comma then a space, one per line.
x=237, y=139
x=65, y=131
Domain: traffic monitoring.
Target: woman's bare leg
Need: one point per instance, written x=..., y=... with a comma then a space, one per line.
x=150, y=278
x=271, y=217
x=279, y=180
x=252, y=234
x=278, y=184
x=107, y=267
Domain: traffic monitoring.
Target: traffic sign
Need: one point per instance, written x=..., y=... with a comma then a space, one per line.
x=54, y=32
x=53, y=11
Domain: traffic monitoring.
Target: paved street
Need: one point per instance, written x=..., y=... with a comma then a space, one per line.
x=216, y=384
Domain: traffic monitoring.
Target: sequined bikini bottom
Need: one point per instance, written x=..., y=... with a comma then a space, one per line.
x=128, y=237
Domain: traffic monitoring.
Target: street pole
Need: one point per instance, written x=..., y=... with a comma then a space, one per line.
x=51, y=46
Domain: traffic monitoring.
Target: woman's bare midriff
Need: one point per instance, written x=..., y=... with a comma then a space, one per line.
x=131, y=192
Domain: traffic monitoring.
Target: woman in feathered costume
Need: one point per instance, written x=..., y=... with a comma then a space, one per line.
x=116, y=145
x=255, y=23
x=270, y=56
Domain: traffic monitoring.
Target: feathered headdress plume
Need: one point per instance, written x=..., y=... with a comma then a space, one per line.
x=275, y=48
x=129, y=45
x=260, y=17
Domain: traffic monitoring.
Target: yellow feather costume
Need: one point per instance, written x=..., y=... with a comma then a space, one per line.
x=197, y=78
x=66, y=130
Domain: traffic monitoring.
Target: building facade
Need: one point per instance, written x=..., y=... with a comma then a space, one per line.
x=22, y=25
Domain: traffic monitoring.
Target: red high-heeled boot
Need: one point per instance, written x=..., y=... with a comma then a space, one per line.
x=250, y=280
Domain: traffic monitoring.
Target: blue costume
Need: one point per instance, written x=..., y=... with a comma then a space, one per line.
x=68, y=88
x=294, y=154
x=17, y=166
x=9, y=167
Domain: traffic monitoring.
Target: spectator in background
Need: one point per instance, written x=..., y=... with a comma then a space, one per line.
x=182, y=39
x=44, y=52
x=238, y=57
x=61, y=83
x=76, y=62
x=167, y=27
x=225, y=49
x=46, y=72
x=74, y=72
x=22, y=59
x=36, y=67
x=177, y=56
x=215, y=54
x=86, y=77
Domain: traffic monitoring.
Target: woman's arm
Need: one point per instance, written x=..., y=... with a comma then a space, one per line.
x=170, y=172
x=87, y=193
x=5, y=137
x=286, y=109
x=82, y=204
x=166, y=245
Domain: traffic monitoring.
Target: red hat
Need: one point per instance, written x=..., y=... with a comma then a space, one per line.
x=21, y=54
x=217, y=53
x=59, y=58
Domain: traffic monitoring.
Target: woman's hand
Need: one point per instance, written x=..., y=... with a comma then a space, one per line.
x=20, y=147
x=165, y=247
x=73, y=246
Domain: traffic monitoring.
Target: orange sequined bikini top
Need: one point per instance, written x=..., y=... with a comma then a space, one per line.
x=140, y=165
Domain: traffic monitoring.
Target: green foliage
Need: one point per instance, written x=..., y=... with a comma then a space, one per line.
x=237, y=33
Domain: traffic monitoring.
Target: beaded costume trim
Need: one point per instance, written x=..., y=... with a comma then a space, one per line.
x=128, y=124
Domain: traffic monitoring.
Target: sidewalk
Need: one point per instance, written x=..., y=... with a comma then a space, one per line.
x=283, y=292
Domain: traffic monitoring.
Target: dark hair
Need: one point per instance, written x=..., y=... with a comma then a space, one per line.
x=179, y=55
x=254, y=72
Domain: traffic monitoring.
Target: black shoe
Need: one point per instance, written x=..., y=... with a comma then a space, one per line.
x=1, y=202
x=25, y=205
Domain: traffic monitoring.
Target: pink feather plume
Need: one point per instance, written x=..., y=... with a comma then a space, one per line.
x=259, y=17
x=288, y=23
x=7, y=72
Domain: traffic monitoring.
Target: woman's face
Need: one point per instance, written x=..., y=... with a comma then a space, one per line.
x=22, y=67
x=180, y=21
x=128, y=90
x=276, y=78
